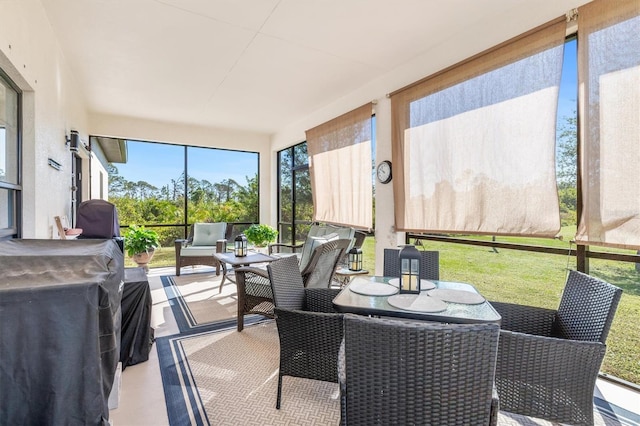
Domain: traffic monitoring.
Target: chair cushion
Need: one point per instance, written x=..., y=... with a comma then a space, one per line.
x=208, y=234
x=310, y=245
x=197, y=251
x=343, y=232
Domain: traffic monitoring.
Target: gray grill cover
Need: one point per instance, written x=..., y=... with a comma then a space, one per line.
x=98, y=219
x=59, y=330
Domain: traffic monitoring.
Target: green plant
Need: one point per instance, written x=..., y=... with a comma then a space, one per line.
x=139, y=240
x=260, y=235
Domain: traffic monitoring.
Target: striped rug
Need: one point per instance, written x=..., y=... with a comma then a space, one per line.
x=223, y=377
x=197, y=303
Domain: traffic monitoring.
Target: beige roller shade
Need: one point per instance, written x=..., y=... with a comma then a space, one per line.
x=609, y=102
x=341, y=169
x=474, y=145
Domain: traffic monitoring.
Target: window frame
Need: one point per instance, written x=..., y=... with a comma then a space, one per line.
x=14, y=190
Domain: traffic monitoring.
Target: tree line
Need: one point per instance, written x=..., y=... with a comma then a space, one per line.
x=141, y=203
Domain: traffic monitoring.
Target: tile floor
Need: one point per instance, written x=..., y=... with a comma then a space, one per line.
x=142, y=402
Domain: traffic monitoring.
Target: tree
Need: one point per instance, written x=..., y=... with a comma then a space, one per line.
x=567, y=151
x=248, y=197
x=567, y=169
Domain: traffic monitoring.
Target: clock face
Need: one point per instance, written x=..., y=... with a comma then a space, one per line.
x=384, y=172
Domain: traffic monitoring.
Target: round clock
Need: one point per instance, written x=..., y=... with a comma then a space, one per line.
x=384, y=171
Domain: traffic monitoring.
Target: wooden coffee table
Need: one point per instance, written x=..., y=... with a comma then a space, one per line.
x=229, y=258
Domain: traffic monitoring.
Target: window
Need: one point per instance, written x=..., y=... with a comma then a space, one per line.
x=10, y=144
x=169, y=187
x=295, y=204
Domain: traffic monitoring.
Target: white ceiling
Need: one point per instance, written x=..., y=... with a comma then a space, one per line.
x=259, y=65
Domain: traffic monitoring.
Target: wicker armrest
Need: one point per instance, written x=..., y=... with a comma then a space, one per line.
x=276, y=247
x=320, y=299
x=525, y=319
x=254, y=282
x=560, y=386
x=178, y=245
x=252, y=270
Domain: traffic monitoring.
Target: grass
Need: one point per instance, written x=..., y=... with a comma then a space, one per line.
x=527, y=278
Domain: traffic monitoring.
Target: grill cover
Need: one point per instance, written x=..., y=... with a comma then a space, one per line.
x=59, y=330
x=98, y=219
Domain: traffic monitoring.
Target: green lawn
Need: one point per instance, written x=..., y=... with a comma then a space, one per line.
x=527, y=278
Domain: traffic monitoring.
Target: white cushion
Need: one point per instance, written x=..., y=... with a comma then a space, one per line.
x=311, y=244
x=208, y=234
x=197, y=251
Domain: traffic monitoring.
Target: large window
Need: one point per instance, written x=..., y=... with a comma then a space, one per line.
x=10, y=175
x=295, y=204
x=168, y=187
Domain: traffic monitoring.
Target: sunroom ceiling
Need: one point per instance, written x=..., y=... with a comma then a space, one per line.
x=260, y=65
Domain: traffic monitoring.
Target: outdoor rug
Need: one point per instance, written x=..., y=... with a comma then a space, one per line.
x=229, y=378
x=197, y=304
x=223, y=377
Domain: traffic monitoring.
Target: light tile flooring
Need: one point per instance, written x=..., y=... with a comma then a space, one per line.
x=141, y=401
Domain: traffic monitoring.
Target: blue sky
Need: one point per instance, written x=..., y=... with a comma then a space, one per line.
x=569, y=84
x=157, y=163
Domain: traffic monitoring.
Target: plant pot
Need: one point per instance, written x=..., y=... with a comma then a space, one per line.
x=142, y=259
x=261, y=249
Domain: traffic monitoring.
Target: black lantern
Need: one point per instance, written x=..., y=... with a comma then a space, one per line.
x=240, y=246
x=409, y=270
x=355, y=259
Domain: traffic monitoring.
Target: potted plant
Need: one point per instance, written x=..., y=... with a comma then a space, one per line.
x=260, y=235
x=140, y=244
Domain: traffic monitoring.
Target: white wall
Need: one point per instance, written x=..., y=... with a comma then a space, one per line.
x=31, y=56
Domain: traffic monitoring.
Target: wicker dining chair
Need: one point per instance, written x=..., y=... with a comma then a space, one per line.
x=548, y=360
x=429, y=264
x=254, y=288
x=417, y=372
x=310, y=330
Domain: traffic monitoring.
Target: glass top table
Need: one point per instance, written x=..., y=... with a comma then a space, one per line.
x=355, y=298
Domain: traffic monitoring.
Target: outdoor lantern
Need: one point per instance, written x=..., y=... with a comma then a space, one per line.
x=240, y=246
x=355, y=259
x=409, y=270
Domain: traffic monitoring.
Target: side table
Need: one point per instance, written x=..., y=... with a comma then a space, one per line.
x=238, y=261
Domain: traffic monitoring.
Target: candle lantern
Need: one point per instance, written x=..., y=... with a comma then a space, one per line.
x=240, y=246
x=355, y=259
x=409, y=270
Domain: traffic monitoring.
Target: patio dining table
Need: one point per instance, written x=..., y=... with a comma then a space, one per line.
x=442, y=301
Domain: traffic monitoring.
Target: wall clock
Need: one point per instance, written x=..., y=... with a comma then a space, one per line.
x=384, y=171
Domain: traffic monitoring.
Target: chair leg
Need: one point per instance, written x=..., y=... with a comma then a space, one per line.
x=279, y=391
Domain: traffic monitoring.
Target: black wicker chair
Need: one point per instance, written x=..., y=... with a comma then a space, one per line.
x=417, y=373
x=429, y=264
x=548, y=360
x=254, y=289
x=309, y=328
